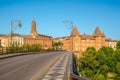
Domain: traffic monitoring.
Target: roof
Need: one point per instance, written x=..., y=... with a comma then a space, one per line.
x=75, y=31
x=44, y=35
x=3, y=35
x=38, y=36
x=86, y=36
x=110, y=40
x=97, y=32
x=62, y=37
x=15, y=34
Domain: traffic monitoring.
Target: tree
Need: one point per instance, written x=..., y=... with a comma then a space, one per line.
x=57, y=45
x=118, y=45
x=90, y=51
x=101, y=57
x=117, y=55
x=118, y=67
x=100, y=65
x=108, y=51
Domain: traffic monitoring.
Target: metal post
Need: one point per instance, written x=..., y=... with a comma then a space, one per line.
x=70, y=27
x=72, y=35
x=14, y=25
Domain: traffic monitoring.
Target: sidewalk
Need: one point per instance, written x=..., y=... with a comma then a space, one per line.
x=59, y=70
x=11, y=55
x=19, y=54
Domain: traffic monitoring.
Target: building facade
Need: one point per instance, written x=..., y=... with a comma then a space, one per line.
x=80, y=42
x=35, y=38
x=4, y=40
x=16, y=39
x=32, y=38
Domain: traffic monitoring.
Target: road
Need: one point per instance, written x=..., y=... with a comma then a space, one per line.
x=28, y=67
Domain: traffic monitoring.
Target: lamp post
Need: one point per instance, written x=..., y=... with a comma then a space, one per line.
x=0, y=43
x=14, y=25
x=69, y=25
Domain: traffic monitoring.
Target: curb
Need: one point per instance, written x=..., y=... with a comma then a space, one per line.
x=20, y=54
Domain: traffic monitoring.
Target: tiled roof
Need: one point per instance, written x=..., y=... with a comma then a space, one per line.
x=15, y=34
x=3, y=35
x=97, y=32
x=44, y=35
x=62, y=37
x=110, y=40
x=86, y=36
x=75, y=31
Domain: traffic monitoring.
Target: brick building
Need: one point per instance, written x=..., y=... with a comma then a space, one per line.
x=35, y=38
x=80, y=42
x=32, y=38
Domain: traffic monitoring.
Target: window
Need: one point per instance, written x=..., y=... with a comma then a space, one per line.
x=83, y=45
x=87, y=40
x=83, y=49
x=76, y=44
x=99, y=45
x=99, y=41
x=83, y=40
x=76, y=49
x=91, y=40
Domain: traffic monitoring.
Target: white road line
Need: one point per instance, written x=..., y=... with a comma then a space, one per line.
x=57, y=72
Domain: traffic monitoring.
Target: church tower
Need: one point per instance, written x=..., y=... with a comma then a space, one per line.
x=75, y=40
x=75, y=32
x=33, y=31
x=98, y=33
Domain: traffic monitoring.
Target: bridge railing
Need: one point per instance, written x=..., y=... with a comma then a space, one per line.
x=73, y=71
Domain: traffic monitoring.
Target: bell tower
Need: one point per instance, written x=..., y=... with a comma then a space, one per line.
x=33, y=31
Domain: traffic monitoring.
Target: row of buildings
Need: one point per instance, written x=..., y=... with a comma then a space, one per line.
x=75, y=42
x=32, y=38
x=80, y=42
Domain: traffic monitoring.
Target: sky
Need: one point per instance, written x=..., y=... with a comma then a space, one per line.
x=51, y=16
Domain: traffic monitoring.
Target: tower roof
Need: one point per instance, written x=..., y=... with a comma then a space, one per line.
x=75, y=31
x=33, y=31
x=98, y=32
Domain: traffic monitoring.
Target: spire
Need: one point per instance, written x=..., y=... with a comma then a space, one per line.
x=75, y=31
x=97, y=32
x=33, y=19
x=33, y=31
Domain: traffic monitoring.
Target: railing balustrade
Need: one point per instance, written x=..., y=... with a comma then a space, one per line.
x=74, y=76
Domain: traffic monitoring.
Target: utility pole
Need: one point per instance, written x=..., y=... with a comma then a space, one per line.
x=69, y=25
x=14, y=25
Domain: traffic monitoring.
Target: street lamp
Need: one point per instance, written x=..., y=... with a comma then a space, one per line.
x=14, y=25
x=69, y=25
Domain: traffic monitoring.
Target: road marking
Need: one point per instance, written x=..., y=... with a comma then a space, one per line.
x=57, y=72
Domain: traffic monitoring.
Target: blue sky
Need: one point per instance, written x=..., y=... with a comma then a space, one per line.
x=51, y=14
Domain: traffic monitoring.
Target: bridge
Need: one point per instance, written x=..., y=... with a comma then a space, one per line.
x=40, y=66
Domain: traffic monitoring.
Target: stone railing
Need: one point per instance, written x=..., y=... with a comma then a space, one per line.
x=73, y=71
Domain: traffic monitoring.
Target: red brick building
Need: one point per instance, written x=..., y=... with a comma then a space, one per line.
x=35, y=38
x=80, y=42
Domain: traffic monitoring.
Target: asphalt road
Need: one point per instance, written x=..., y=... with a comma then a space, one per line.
x=28, y=67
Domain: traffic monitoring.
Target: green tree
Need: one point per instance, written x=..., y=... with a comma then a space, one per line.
x=35, y=47
x=118, y=67
x=27, y=48
x=96, y=65
x=57, y=45
x=108, y=51
x=13, y=48
x=118, y=45
x=117, y=55
x=101, y=57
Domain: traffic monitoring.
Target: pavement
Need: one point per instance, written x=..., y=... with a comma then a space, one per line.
x=11, y=55
x=19, y=54
x=58, y=71
x=33, y=67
